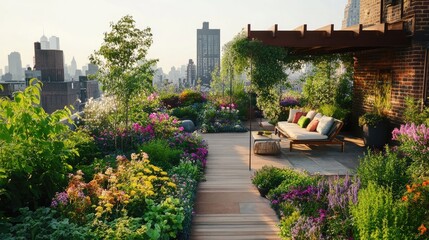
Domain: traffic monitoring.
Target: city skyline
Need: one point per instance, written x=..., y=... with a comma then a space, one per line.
x=80, y=24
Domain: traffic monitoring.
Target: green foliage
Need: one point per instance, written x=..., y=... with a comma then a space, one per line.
x=85, y=146
x=268, y=177
x=161, y=154
x=124, y=70
x=44, y=223
x=292, y=179
x=170, y=100
x=189, y=97
x=288, y=221
x=334, y=111
x=187, y=169
x=371, y=119
x=192, y=112
x=325, y=86
x=221, y=119
x=378, y=216
x=34, y=150
x=263, y=64
x=413, y=113
x=384, y=169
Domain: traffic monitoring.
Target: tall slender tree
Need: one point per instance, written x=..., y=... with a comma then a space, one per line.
x=124, y=70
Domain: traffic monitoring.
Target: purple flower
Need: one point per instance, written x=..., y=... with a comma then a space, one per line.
x=289, y=102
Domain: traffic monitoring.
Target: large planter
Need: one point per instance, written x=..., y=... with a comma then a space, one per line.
x=375, y=136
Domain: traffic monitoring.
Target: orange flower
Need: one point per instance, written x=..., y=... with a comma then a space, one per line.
x=417, y=196
x=425, y=183
x=409, y=189
x=422, y=229
x=404, y=198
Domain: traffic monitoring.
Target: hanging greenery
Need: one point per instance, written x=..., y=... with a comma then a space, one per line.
x=265, y=65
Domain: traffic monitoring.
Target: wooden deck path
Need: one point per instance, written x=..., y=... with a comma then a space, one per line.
x=228, y=206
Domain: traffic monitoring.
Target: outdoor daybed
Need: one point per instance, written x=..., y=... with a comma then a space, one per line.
x=319, y=130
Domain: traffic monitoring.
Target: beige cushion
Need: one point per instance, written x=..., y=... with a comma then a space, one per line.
x=325, y=123
x=295, y=132
x=311, y=114
x=318, y=116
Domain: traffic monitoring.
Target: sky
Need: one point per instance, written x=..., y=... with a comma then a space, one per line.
x=80, y=24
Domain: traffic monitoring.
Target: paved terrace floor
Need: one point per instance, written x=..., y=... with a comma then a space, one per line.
x=228, y=206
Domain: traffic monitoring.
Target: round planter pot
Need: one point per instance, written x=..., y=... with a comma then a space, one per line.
x=375, y=136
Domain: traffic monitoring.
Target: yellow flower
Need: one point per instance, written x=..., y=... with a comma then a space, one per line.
x=147, y=171
x=132, y=193
x=170, y=184
x=163, y=173
x=156, y=169
x=152, y=177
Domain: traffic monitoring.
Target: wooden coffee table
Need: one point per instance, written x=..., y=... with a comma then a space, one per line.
x=266, y=144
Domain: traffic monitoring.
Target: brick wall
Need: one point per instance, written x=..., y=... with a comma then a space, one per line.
x=406, y=65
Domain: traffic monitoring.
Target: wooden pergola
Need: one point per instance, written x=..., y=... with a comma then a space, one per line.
x=326, y=40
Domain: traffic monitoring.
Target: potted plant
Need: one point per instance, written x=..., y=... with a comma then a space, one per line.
x=374, y=129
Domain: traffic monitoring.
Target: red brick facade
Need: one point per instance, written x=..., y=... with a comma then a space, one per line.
x=403, y=69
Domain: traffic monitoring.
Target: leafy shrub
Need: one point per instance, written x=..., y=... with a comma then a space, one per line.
x=292, y=178
x=161, y=154
x=44, y=223
x=222, y=119
x=268, y=177
x=187, y=112
x=384, y=169
x=34, y=150
x=186, y=176
x=378, y=216
x=189, y=97
x=334, y=111
x=85, y=146
x=413, y=113
x=170, y=100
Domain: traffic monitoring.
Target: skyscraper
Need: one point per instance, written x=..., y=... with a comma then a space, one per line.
x=15, y=66
x=50, y=63
x=44, y=43
x=54, y=43
x=208, y=52
x=351, y=13
x=191, y=73
x=73, y=68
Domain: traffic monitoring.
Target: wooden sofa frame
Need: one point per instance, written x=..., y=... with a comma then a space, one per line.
x=331, y=140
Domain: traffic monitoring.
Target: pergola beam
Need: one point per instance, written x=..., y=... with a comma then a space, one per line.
x=328, y=40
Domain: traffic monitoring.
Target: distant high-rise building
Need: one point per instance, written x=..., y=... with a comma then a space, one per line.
x=73, y=68
x=92, y=69
x=1, y=72
x=351, y=13
x=30, y=74
x=191, y=73
x=44, y=43
x=208, y=52
x=50, y=63
x=54, y=43
x=15, y=66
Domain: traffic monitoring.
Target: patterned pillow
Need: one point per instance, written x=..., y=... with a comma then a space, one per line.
x=311, y=127
x=303, y=121
x=292, y=113
x=297, y=117
x=325, y=123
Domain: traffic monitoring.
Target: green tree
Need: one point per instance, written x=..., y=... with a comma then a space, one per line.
x=124, y=70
